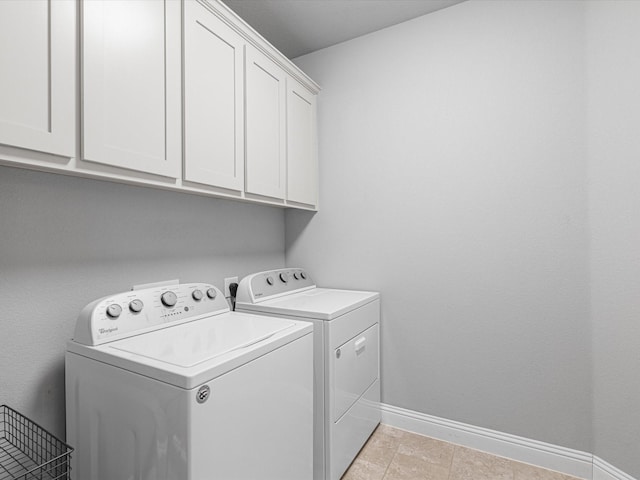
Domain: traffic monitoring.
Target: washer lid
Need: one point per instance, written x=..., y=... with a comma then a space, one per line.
x=193, y=353
x=189, y=345
x=317, y=303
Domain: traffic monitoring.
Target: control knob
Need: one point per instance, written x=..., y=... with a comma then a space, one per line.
x=283, y=277
x=169, y=299
x=303, y=275
x=197, y=295
x=270, y=280
x=136, y=305
x=211, y=293
x=296, y=276
x=114, y=310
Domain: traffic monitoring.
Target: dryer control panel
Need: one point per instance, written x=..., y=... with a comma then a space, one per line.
x=131, y=313
x=260, y=286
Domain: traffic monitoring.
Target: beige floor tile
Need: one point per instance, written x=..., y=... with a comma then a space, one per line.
x=409, y=467
x=429, y=449
x=363, y=470
x=471, y=464
x=394, y=454
x=522, y=471
x=382, y=446
x=389, y=431
x=379, y=452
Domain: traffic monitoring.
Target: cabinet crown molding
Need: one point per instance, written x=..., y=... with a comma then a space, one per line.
x=258, y=41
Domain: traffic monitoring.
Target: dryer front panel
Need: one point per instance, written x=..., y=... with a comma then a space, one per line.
x=356, y=368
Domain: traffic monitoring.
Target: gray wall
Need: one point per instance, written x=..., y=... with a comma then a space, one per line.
x=453, y=180
x=66, y=241
x=614, y=179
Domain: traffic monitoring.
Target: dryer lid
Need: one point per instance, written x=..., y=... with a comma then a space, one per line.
x=317, y=303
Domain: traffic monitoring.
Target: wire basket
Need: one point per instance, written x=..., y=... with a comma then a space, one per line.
x=28, y=451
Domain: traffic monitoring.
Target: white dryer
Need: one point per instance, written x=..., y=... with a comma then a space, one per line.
x=166, y=383
x=346, y=357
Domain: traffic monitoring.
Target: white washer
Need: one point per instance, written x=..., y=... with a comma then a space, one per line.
x=346, y=358
x=166, y=383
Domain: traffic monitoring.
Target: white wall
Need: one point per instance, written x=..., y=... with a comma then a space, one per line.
x=614, y=180
x=65, y=242
x=453, y=180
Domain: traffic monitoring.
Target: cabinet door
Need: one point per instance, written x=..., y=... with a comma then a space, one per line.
x=213, y=96
x=265, y=126
x=131, y=72
x=302, y=157
x=37, y=79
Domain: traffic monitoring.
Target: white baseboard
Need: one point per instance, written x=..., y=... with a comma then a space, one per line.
x=605, y=471
x=561, y=459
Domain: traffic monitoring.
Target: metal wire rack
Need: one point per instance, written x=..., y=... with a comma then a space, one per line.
x=28, y=451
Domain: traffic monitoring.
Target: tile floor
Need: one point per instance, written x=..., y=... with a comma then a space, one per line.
x=392, y=454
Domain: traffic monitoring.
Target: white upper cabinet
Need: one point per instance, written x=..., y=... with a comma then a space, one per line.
x=131, y=84
x=302, y=158
x=265, y=126
x=37, y=75
x=174, y=94
x=214, y=100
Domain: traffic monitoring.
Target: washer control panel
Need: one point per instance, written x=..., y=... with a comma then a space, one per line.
x=131, y=313
x=260, y=286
